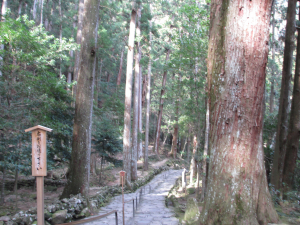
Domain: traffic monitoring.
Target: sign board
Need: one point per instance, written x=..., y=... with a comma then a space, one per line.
x=39, y=153
x=122, y=173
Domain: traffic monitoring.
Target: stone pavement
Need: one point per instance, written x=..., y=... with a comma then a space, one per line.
x=151, y=210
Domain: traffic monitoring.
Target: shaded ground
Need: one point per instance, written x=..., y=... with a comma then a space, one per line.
x=26, y=195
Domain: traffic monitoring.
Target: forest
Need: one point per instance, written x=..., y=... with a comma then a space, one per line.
x=209, y=86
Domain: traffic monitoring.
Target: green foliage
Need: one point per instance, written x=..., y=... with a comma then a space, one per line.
x=31, y=93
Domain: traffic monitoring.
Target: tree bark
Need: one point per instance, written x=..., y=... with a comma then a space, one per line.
x=175, y=135
x=272, y=94
x=78, y=41
x=42, y=10
x=140, y=123
x=294, y=127
x=161, y=106
x=78, y=181
x=34, y=10
x=3, y=185
x=20, y=7
x=281, y=134
x=128, y=93
x=189, y=144
x=193, y=166
x=237, y=190
x=3, y=12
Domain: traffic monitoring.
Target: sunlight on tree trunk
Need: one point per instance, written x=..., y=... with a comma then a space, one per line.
x=128, y=94
x=78, y=181
x=78, y=41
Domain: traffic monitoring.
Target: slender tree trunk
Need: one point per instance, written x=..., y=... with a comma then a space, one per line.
x=146, y=149
x=128, y=93
x=78, y=181
x=16, y=186
x=34, y=10
x=3, y=185
x=161, y=106
x=193, y=166
x=281, y=134
x=294, y=127
x=99, y=83
x=60, y=34
x=140, y=124
x=237, y=190
x=175, y=135
x=120, y=68
x=78, y=41
x=189, y=144
x=20, y=7
x=42, y=10
x=135, y=109
x=3, y=12
x=96, y=93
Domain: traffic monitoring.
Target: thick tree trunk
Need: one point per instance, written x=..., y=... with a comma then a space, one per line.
x=128, y=93
x=120, y=68
x=78, y=41
x=78, y=181
x=237, y=190
x=280, y=144
x=161, y=106
x=294, y=126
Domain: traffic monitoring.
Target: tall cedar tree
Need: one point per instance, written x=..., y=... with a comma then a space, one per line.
x=281, y=134
x=135, y=121
x=294, y=126
x=78, y=181
x=128, y=94
x=237, y=191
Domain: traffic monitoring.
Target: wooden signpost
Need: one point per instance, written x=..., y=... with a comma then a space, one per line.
x=39, y=166
x=122, y=176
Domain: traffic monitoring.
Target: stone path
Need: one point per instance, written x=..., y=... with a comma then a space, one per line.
x=151, y=210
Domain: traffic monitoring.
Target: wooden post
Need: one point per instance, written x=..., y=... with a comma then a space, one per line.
x=122, y=176
x=39, y=166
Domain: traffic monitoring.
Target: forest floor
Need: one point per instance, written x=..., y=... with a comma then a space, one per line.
x=25, y=198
